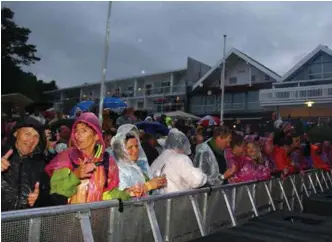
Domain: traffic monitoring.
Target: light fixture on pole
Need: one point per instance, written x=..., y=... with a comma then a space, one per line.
x=102, y=84
x=222, y=83
x=309, y=104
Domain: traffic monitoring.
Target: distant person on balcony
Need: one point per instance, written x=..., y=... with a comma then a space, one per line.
x=210, y=157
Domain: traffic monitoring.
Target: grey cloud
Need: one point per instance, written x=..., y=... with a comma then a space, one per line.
x=70, y=35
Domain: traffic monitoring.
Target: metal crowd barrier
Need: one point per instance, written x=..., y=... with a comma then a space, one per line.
x=170, y=217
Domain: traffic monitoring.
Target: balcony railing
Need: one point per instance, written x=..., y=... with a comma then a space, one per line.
x=161, y=91
x=229, y=107
x=157, y=92
x=159, y=108
x=140, y=92
x=296, y=95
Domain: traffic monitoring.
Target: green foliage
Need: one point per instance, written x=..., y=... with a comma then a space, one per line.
x=15, y=53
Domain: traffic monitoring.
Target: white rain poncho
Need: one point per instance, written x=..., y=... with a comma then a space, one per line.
x=130, y=172
x=176, y=165
x=207, y=162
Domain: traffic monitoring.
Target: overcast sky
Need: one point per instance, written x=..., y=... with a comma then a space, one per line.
x=159, y=36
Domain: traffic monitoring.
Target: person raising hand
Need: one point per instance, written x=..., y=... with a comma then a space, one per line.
x=33, y=196
x=5, y=164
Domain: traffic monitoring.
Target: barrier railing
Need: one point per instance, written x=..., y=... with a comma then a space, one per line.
x=170, y=217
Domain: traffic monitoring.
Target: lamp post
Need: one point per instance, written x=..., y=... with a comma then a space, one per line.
x=222, y=83
x=102, y=84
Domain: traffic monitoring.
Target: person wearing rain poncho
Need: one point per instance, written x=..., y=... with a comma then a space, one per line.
x=177, y=166
x=210, y=157
x=134, y=171
x=85, y=172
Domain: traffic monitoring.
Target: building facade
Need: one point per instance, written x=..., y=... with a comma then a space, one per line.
x=159, y=92
x=305, y=90
x=244, y=77
x=252, y=91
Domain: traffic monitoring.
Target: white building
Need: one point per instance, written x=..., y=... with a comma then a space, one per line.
x=156, y=92
x=252, y=91
x=305, y=90
x=244, y=77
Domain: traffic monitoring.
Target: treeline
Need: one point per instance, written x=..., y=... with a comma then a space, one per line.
x=16, y=53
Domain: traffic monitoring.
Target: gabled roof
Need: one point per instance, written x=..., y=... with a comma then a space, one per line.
x=308, y=57
x=246, y=58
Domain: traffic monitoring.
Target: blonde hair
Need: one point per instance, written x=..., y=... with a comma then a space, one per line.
x=258, y=158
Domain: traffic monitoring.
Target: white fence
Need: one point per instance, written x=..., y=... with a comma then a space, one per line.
x=170, y=217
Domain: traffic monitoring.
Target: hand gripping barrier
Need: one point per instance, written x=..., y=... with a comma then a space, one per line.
x=170, y=217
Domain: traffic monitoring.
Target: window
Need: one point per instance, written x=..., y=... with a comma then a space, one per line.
x=131, y=91
x=165, y=86
x=232, y=80
x=210, y=100
x=148, y=89
x=228, y=98
x=327, y=67
x=196, y=100
x=267, y=77
x=238, y=97
x=314, y=68
x=253, y=78
x=253, y=96
x=140, y=105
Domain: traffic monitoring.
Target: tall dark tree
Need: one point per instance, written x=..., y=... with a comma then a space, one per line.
x=14, y=46
x=16, y=52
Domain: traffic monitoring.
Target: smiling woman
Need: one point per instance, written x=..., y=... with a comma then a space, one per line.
x=84, y=172
x=134, y=171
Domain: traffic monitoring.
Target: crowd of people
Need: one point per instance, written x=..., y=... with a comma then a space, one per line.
x=119, y=159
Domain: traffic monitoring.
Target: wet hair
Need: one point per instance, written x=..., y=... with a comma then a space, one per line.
x=222, y=132
x=259, y=157
x=279, y=138
x=109, y=132
x=288, y=140
x=130, y=136
x=237, y=140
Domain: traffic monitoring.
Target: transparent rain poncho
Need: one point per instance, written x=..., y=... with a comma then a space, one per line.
x=177, y=140
x=175, y=164
x=130, y=172
x=207, y=162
